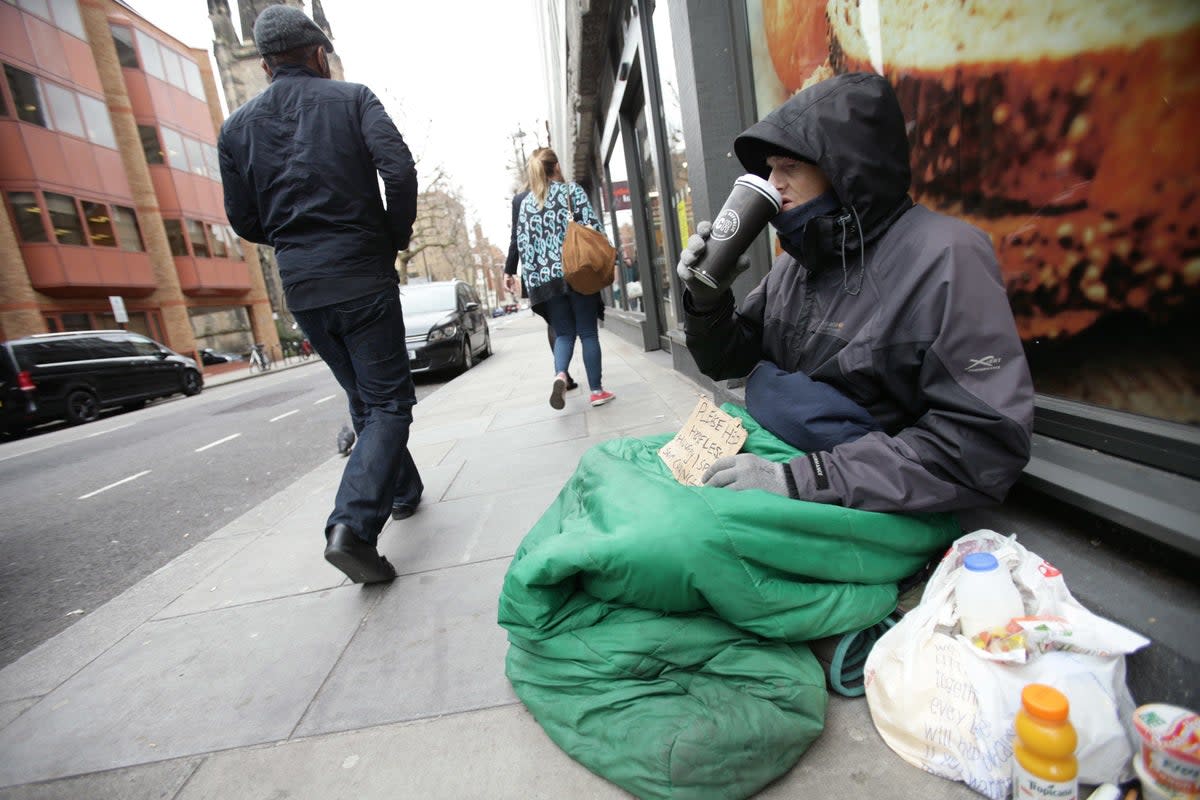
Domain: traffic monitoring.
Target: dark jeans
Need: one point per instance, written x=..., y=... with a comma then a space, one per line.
x=362, y=341
x=572, y=315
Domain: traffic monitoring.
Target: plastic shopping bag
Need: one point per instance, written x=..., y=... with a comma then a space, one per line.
x=947, y=706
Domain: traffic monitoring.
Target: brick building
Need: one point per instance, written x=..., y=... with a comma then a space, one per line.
x=111, y=185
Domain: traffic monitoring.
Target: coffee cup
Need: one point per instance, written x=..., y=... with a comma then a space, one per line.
x=751, y=204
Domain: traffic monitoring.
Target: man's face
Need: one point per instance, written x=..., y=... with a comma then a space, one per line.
x=798, y=181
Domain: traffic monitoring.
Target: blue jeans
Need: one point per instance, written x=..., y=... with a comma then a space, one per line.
x=362, y=341
x=573, y=315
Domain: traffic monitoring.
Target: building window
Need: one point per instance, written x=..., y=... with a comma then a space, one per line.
x=151, y=55
x=99, y=223
x=235, y=243
x=64, y=218
x=191, y=78
x=220, y=249
x=212, y=162
x=38, y=7
x=150, y=145
x=66, y=17
x=64, y=111
x=195, y=156
x=627, y=289
x=127, y=229
x=99, y=125
x=199, y=242
x=76, y=322
x=28, y=217
x=123, y=39
x=26, y=96
x=171, y=66
x=173, y=147
x=175, y=237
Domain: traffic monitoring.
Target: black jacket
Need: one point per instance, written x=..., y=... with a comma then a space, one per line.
x=899, y=308
x=299, y=165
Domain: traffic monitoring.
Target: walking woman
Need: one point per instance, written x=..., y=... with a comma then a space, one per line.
x=541, y=229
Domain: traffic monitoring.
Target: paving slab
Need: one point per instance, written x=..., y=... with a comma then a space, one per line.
x=430, y=647
x=187, y=685
x=161, y=781
x=57, y=659
x=499, y=753
x=500, y=443
x=11, y=709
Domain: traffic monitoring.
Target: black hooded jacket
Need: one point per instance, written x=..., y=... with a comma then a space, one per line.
x=901, y=309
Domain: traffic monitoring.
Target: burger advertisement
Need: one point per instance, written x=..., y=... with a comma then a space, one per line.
x=1067, y=130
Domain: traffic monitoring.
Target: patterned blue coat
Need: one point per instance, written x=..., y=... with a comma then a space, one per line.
x=540, y=235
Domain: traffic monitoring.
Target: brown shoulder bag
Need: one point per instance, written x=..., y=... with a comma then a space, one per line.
x=589, y=261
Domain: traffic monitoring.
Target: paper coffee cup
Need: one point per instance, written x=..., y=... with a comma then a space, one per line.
x=752, y=203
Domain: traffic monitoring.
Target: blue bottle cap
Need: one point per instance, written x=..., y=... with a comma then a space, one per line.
x=981, y=562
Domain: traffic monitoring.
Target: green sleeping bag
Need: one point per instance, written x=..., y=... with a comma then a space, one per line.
x=657, y=630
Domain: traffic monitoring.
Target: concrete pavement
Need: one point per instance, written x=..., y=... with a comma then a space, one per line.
x=249, y=668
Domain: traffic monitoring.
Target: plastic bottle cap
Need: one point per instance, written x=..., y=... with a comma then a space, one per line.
x=981, y=562
x=1045, y=702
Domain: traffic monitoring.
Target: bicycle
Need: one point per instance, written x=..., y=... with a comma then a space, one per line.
x=259, y=360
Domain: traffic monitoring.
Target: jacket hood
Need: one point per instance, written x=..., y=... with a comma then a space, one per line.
x=851, y=126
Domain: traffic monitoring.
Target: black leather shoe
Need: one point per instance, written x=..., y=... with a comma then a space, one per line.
x=360, y=561
x=404, y=510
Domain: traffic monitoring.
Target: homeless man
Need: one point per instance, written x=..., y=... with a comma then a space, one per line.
x=883, y=316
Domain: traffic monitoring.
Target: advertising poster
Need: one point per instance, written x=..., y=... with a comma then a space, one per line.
x=1069, y=131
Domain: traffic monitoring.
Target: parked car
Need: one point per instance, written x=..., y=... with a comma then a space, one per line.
x=208, y=357
x=73, y=376
x=445, y=326
x=498, y=312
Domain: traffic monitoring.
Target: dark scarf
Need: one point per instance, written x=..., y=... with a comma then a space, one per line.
x=790, y=224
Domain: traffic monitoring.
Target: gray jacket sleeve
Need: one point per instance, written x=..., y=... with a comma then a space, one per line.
x=973, y=439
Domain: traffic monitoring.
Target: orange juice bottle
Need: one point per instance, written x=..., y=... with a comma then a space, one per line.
x=1044, y=764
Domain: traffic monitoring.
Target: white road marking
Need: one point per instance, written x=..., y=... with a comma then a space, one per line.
x=217, y=442
x=281, y=416
x=324, y=399
x=111, y=485
x=110, y=430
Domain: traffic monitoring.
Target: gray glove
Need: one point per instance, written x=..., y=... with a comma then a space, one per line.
x=748, y=471
x=704, y=297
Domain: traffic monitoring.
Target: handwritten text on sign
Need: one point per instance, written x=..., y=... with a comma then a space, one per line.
x=708, y=434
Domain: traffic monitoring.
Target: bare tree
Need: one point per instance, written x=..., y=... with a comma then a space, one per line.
x=440, y=227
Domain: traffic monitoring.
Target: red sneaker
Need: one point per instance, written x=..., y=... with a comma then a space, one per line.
x=601, y=397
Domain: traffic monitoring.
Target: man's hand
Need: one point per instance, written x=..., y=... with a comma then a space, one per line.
x=705, y=297
x=748, y=471
x=510, y=283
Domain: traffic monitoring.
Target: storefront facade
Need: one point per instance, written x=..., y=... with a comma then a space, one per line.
x=1065, y=136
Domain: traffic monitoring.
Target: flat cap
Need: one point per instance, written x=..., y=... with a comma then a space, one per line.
x=279, y=29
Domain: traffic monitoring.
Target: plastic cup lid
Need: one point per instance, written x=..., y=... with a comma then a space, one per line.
x=981, y=562
x=762, y=185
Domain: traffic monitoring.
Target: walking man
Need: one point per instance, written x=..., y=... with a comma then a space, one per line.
x=299, y=164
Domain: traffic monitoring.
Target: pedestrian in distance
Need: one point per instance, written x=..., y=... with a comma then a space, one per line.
x=511, y=265
x=301, y=164
x=541, y=229
x=891, y=313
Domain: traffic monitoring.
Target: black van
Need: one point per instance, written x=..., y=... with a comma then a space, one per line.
x=73, y=376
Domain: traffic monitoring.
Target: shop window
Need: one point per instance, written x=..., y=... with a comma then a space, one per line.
x=99, y=125
x=64, y=218
x=173, y=147
x=128, y=230
x=76, y=322
x=126, y=52
x=66, y=17
x=627, y=289
x=680, y=203
x=175, y=237
x=99, y=224
x=27, y=215
x=220, y=248
x=199, y=241
x=152, y=60
x=652, y=204
x=26, y=96
x=150, y=144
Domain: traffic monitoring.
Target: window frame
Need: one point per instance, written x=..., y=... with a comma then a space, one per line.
x=39, y=204
x=129, y=43
x=106, y=224
x=168, y=222
x=20, y=110
x=199, y=227
x=54, y=227
x=122, y=229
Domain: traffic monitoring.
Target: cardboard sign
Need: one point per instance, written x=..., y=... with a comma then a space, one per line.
x=708, y=434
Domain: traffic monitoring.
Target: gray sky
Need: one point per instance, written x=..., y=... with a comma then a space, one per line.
x=457, y=78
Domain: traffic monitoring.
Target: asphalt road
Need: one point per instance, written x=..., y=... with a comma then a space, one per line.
x=88, y=511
